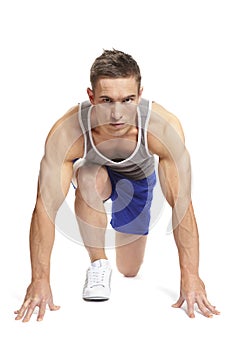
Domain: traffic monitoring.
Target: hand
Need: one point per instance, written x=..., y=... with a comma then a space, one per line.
x=193, y=291
x=38, y=294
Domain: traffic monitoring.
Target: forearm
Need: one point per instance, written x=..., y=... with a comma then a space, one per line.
x=187, y=241
x=42, y=234
x=54, y=182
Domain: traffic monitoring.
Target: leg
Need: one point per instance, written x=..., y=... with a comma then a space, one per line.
x=94, y=187
x=130, y=249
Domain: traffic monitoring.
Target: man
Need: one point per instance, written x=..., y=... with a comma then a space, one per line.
x=106, y=146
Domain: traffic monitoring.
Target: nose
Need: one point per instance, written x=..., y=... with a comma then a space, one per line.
x=116, y=112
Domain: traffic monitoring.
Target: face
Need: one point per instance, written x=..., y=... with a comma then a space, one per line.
x=115, y=104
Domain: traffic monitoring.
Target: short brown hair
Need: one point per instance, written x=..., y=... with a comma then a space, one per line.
x=114, y=64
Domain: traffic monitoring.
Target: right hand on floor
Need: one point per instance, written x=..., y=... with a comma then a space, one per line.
x=39, y=295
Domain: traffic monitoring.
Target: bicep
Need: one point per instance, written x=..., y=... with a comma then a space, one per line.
x=64, y=143
x=168, y=177
x=54, y=182
x=175, y=180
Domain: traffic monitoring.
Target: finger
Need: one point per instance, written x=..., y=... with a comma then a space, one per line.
x=179, y=302
x=30, y=310
x=42, y=310
x=211, y=307
x=53, y=307
x=20, y=313
x=203, y=309
x=190, y=308
x=23, y=307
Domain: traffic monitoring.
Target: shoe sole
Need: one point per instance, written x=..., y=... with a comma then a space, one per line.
x=96, y=299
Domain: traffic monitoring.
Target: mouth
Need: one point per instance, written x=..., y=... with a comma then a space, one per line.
x=117, y=125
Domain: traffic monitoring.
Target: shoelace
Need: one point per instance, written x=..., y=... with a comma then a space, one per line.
x=95, y=277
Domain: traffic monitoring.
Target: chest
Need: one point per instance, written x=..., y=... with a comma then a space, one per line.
x=115, y=147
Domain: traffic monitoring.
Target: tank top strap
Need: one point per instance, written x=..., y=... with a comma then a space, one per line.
x=144, y=112
x=83, y=115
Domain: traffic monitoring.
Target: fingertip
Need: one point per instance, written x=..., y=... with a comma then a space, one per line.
x=191, y=315
x=55, y=307
x=175, y=305
x=178, y=304
x=216, y=312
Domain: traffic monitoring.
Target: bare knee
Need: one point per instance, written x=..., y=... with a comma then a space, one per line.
x=129, y=253
x=128, y=271
x=87, y=178
x=93, y=181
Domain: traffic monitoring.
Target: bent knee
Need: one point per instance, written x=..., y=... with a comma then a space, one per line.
x=87, y=176
x=128, y=271
x=93, y=179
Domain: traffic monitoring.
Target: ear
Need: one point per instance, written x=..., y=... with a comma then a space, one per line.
x=90, y=95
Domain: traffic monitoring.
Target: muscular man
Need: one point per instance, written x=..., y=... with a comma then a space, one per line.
x=106, y=147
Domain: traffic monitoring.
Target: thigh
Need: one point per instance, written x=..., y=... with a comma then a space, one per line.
x=130, y=250
x=131, y=205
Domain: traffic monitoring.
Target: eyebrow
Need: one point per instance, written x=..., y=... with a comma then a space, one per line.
x=124, y=98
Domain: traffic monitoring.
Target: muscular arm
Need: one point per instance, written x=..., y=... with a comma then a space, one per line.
x=49, y=198
x=166, y=139
x=63, y=144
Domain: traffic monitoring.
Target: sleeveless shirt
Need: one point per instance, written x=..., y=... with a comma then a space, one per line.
x=140, y=164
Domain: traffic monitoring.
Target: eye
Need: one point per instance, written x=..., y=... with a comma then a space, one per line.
x=127, y=100
x=106, y=100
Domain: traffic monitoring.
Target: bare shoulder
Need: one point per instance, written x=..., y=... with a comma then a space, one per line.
x=66, y=136
x=166, y=118
x=66, y=121
x=164, y=129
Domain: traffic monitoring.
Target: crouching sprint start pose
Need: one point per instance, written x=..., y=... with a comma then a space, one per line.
x=106, y=147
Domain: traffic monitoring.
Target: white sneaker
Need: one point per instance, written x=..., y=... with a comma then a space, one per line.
x=97, y=284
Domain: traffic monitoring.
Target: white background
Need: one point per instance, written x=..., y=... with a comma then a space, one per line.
x=184, y=49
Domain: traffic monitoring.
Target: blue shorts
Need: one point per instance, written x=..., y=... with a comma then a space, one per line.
x=131, y=203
